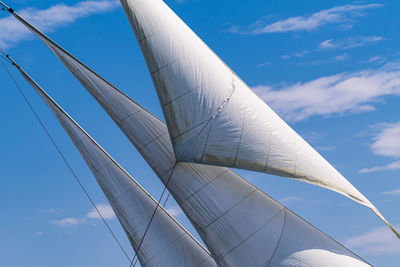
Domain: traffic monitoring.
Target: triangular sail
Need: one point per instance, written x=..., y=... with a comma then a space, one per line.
x=239, y=224
x=166, y=242
x=212, y=115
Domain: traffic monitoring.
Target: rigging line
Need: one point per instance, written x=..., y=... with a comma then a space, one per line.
x=62, y=155
x=152, y=216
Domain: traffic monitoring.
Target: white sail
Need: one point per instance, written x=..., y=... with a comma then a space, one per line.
x=239, y=224
x=212, y=115
x=166, y=243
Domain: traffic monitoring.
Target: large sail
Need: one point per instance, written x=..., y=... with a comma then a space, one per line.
x=212, y=115
x=166, y=242
x=240, y=225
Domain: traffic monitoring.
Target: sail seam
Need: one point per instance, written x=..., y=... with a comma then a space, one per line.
x=166, y=65
x=252, y=234
x=269, y=152
x=166, y=247
x=182, y=95
x=205, y=185
x=279, y=241
x=206, y=143
x=154, y=213
x=151, y=141
x=122, y=122
x=240, y=141
x=219, y=109
x=231, y=208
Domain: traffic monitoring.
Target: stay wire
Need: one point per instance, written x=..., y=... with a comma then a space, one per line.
x=133, y=264
x=60, y=153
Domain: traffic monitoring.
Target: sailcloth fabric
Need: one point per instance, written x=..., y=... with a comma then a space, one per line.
x=240, y=225
x=212, y=115
x=166, y=242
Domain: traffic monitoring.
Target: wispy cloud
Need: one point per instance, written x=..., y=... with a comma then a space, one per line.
x=343, y=15
x=105, y=210
x=296, y=54
x=350, y=42
x=386, y=142
x=379, y=241
x=67, y=222
x=393, y=192
x=286, y=200
x=376, y=59
x=60, y=15
x=338, y=94
x=388, y=167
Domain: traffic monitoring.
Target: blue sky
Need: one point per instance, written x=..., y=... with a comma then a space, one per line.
x=331, y=69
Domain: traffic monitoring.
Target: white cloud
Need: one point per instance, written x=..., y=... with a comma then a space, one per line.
x=49, y=211
x=387, y=141
x=350, y=42
x=39, y=233
x=67, y=222
x=337, y=94
x=343, y=15
x=105, y=210
x=340, y=58
x=175, y=211
x=388, y=167
x=289, y=199
x=378, y=59
x=394, y=192
x=379, y=241
x=12, y=31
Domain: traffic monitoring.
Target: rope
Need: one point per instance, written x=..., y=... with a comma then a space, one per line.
x=58, y=149
x=135, y=259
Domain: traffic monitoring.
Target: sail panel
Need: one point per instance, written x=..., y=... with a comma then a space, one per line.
x=213, y=117
x=240, y=225
x=166, y=242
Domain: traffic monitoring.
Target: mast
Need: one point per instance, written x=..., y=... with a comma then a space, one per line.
x=240, y=225
x=166, y=243
x=213, y=117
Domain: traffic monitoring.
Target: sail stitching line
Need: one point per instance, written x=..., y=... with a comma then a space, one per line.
x=219, y=109
x=269, y=152
x=206, y=143
x=182, y=95
x=61, y=154
x=252, y=234
x=167, y=246
x=152, y=141
x=240, y=141
x=279, y=241
x=122, y=122
x=152, y=217
x=231, y=208
x=205, y=185
x=166, y=65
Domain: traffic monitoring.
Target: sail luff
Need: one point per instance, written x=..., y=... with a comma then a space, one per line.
x=127, y=197
x=213, y=117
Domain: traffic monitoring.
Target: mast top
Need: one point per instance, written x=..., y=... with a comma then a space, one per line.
x=5, y=7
